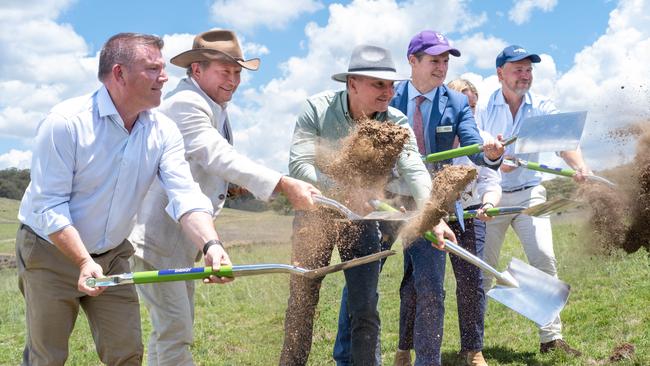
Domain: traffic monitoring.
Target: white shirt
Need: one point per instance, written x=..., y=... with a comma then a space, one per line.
x=90, y=172
x=494, y=117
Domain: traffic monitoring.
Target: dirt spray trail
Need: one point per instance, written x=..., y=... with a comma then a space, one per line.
x=447, y=187
x=621, y=216
x=362, y=164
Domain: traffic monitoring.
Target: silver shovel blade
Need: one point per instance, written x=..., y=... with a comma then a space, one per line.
x=550, y=207
x=550, y=133
x=539, y=297
x=321, y=272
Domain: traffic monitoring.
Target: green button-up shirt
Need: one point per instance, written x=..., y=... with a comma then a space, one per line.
x=326, y=119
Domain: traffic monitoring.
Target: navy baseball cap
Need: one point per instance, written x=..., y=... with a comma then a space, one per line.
x=432, y=43
x=515, y=53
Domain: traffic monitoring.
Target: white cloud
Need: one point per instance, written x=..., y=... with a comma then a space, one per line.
x=16, y=159
x=611, y=79
x=246, y=15
x=264, y=117
x=523, y=9
x=42, y=62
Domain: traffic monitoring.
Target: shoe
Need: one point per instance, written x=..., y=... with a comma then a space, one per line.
x=558, y=344
x=472, y=358
x=402, y=358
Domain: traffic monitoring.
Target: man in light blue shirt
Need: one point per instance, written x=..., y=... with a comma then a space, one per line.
x=502, y=114
x=94, y=159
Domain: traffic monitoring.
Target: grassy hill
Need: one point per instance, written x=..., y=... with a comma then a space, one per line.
x=242, y=323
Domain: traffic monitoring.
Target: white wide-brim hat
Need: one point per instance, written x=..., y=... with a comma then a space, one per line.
x=371, y=61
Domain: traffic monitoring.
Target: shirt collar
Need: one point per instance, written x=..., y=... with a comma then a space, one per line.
x=414, y=93
x=206, y=96
x=105, y=105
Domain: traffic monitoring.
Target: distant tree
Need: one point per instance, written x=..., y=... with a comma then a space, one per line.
x=281, y=205
x=560, y=188
x=13, y=182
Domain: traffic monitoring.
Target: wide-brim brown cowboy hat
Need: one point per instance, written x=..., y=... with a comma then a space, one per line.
x=211, y=45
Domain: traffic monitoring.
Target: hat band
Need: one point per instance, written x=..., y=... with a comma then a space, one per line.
x=372, y=69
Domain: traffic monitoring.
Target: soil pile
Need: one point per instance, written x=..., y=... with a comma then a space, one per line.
x=621, y=217
x=448, y=184
x=363, y=164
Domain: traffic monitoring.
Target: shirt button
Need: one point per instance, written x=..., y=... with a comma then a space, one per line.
x=222, y=196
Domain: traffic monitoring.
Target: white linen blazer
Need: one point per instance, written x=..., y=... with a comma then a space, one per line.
x=214, y=163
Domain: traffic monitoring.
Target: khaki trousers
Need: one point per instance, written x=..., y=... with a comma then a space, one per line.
x=48, y=282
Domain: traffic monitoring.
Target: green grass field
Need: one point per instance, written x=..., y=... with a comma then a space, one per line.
x=242, y=323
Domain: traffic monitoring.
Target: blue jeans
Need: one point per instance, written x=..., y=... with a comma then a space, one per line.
x=313, y=249
x=430, y=270
x=422, y=295
x=342, y=354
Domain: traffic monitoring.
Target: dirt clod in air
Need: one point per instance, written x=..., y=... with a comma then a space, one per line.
x=7, y=261
x=621, y=215
x=447, y=186
x=362, y=164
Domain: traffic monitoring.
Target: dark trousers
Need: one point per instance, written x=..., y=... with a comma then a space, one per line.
x=313, y=241
x=422, y=295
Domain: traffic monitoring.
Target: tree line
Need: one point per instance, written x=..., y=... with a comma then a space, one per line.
x=13, y=183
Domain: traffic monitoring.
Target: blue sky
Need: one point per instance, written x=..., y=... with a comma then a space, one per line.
x=589, y=49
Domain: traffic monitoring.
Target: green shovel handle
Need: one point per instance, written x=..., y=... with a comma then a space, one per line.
x=547, y=169
x=180, y=274
x=454, y=153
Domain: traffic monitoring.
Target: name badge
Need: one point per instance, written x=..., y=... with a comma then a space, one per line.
x=441, y=129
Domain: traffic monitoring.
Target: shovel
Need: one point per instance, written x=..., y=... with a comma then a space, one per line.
x=523, y=288
x=542, y=209
x=383, y=215
x=550, y=132
x=462, y=151
x=565, y=172
x=184, y=274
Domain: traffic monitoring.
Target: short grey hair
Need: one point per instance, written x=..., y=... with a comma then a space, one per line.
x=121, y=49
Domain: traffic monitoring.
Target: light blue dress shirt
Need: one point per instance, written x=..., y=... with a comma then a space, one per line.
x=494, y=117
x=90, y=172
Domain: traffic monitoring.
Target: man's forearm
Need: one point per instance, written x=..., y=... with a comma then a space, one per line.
x=69, y=243
x=198, y=227
x=573, y=159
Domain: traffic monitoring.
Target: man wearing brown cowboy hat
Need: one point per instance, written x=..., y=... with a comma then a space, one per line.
x=328, y=118
x=198, y=106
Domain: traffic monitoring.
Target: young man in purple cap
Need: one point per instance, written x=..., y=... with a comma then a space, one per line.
x=439, y=114
x=502, y=114
x=421, y=292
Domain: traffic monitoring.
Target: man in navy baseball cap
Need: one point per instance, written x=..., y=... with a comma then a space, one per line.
x=515, y=53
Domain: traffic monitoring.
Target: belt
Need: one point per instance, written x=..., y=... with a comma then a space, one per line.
x=29, y=229
x=518, y=189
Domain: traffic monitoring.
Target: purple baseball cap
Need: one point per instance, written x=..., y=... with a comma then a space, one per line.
x=432, y=43
x=515, y=53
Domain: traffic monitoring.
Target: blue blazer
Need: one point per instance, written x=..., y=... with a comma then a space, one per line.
x=451, y=118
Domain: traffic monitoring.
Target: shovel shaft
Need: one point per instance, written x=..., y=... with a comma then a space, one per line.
x=495, y=211
x=181, y=274
x=454, y=153
x=547, y=169
x=464, y=254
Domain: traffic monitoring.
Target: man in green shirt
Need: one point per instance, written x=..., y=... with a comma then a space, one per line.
x=326, y=120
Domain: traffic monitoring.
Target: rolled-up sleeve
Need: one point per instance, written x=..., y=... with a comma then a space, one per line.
x=52, y=172
x=303, y=146
x=183, y=192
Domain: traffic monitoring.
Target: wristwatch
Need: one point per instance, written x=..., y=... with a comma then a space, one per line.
x=210, y=243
